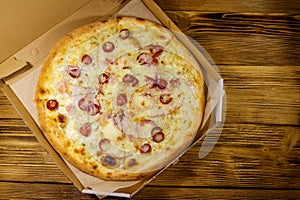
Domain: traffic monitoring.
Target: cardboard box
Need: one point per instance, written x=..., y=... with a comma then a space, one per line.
x=22, y=69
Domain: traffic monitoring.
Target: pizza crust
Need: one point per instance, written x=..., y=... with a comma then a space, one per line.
x=60, y=126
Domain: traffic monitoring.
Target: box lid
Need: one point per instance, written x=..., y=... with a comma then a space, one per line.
x=43, y=24
x=37, y=17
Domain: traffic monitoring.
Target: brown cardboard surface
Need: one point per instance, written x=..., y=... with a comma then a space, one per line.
x=137, y=8
x=37, y=50
x=31, y=18
x=22, y=97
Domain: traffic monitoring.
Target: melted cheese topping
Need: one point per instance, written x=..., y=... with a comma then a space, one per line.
x=127, y=111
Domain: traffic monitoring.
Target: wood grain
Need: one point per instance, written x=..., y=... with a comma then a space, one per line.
x=262, y=94
x=243, y=38
x=66, y=191
x=255, y=45
x=264, y=155
x=253, y=6
x=243, y=157
x=6, y=109
x=23, y=158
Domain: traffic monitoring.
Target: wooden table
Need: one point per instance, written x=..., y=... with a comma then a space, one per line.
x=256, y=46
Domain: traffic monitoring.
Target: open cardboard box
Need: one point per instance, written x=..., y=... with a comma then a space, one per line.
x=19, y=74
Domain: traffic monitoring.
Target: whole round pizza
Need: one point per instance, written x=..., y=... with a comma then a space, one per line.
x=120, y=99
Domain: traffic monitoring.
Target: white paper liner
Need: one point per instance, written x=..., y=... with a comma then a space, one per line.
x=25, y=90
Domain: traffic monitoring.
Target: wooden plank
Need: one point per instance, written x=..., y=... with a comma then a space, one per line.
x=262, y=94
x=243, y=38
x=14, y=190
x=246, y=155
x=251, y=50
x=207, y=193
x=66, y=191
x=6, y=109
x=14, y=127
x=23, y=158
x=266, y=6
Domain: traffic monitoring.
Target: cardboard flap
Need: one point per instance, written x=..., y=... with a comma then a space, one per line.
x=36, y=50
x=11, y=66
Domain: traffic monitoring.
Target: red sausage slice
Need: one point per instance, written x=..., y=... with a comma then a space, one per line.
x=151, y=82
x=86, y=59
x=52, y=104
x=104, y=144
x=93, y=109
x=156, y=130
x=162, y=83
x=158, y=137
x=121, y=99
x=103, y=78
x=108, y=47
x=87, y=105
x=128, y=78
x=145, y=148
x=134, y=82
x=85, y=129
x=165, y=98
x=124, y=34
x=74, y=71
x=144, y=58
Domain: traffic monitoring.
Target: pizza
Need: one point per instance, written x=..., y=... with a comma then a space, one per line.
x=120, y=99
